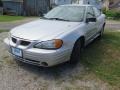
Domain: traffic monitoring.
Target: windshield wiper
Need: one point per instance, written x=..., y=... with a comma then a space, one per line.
x=55, y=19
x=58, y=19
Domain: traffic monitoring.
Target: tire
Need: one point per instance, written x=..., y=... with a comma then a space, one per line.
x=101, y=32
x=75, y=56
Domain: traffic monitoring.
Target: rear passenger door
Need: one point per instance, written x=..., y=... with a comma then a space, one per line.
x=99, y=22
x=91, y=27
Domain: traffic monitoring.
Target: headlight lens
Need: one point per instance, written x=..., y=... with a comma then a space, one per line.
x=51, y=44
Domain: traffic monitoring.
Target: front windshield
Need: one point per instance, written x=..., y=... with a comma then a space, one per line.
x=67, y=13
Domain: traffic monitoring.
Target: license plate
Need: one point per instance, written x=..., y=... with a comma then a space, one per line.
x=17, y=51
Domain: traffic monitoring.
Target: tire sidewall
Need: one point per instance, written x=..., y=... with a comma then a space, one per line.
x=101, y=33
x=75, y=56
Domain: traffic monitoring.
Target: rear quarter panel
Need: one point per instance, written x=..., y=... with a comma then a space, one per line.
x=101, y=21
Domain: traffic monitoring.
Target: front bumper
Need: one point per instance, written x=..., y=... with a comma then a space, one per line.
x=39, y=57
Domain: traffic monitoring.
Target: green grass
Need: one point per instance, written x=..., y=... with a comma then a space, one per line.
x=4, y=31
x=5, y=18
x=103, y=58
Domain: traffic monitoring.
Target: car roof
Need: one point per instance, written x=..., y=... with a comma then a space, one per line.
x=85, y=5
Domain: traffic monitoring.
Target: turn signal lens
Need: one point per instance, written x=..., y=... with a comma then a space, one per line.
x=58, y=43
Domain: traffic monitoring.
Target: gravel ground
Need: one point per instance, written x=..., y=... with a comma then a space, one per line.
x=20, y=76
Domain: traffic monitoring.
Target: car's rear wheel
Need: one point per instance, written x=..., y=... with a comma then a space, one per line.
x=78, y=47
x=101, y=32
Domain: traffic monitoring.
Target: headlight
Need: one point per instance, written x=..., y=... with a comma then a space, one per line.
x=51, y=44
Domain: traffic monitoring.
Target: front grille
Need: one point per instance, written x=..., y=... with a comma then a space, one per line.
x=34, y=61
x=28, y=61
x=24, y=43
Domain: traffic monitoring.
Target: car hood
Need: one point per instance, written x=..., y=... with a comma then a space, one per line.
x=42, y=29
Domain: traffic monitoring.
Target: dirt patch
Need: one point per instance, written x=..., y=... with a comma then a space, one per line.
x=20, y=76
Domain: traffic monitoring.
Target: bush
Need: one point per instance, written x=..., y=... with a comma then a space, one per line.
x=117, y=15
x=112, y=14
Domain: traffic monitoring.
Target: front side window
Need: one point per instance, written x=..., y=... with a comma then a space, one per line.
x=68, y=13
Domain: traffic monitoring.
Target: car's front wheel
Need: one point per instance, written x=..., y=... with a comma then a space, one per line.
x=78, y=47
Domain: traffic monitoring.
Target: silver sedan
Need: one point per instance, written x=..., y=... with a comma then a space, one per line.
x=57, y=37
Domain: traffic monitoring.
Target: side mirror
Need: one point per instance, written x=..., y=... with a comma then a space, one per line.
x=91, y=20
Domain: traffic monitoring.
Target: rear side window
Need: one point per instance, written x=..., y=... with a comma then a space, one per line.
x=97, y=12
x=90, y=12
